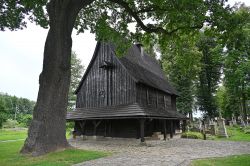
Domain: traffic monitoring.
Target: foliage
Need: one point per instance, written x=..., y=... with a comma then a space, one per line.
x=14, y=14
x=209, y=76
x=15, y=106
x=24, y=120
x=69, y=125
x=192, y=135
x=9, y=155
x=180, y=61
x=76, y=74
x=242, y=160
x=3, y=112
x=10, y=123
x=112, y=20
x=237, y=62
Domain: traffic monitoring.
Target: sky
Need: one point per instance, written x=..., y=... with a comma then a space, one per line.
x=21, y=57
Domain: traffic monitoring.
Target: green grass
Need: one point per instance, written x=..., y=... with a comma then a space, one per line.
x=11, y=134
x=10, y=156
x=239, y=160
x=235, y=134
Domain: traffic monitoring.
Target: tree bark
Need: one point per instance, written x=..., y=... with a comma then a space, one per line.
x=243, y=103
x=47, y=130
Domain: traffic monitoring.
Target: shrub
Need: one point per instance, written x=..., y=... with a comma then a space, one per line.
x=24, y=120
x=10, y=123
x=192, y=135
x=247, y=130
x=69, y=125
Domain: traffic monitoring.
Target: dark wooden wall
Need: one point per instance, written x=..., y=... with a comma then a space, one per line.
x=103, y=87
x=154, y=98
x=123, y=128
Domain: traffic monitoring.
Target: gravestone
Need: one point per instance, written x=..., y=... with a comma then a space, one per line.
x=222, y=131
x=212, y=129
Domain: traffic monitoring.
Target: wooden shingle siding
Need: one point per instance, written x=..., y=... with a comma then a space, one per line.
x=106, y=87
x=154, y=98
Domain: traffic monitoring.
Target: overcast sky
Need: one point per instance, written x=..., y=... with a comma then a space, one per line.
x=21, y=57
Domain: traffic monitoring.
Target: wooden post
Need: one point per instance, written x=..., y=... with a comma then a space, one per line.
x=142, y=129
x=171, y=128
x=105, y=128
x=164, y=129
x=94, y=131
x=184, y=126
x=96, y=124
x=174, y=126
x=82, y=125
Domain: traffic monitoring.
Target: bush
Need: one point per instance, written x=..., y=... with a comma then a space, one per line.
x=10, y=123
x=247, y=130
x=24, y=120
x=69, y=125
x=192, y=135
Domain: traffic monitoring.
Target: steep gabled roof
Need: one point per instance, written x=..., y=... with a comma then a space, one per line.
x=146, y=70
x=89, y=66
x=143, y=68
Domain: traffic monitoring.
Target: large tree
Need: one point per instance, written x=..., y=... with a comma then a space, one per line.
x=3, y=112
x=108, y=19
x=181, y=62
x=237, y=60
x=209, y=76
x=77, y=70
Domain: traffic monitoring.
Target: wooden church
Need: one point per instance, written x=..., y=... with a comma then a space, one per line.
x=126, y=97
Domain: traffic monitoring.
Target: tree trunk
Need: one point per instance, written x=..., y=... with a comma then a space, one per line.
x=47, y=130
x=243, y=103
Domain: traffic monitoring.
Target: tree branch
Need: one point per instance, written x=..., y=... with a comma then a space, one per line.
x=150, y=28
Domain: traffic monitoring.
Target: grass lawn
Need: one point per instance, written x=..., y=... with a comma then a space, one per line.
x=239, y=160
x=10, y=156
x=12, y=134
x=235, y=134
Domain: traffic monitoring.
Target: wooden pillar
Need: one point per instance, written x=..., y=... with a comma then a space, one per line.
x=94, y=131
x=142, y=130
x=174, y=126
x=105, y=128
x=164, y=129
x=171, y=128
x=96, y=124
x=184, y=126
x=110, y=128
x=82, y=125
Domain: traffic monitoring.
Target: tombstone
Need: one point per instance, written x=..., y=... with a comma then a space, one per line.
x=234, y=122
x=231, y=123
x=212, y=128
x=222, y=131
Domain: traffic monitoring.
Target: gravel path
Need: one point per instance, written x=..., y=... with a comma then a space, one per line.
x=129, y=152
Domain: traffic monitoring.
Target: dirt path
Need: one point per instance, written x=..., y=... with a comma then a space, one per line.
x=129, y=152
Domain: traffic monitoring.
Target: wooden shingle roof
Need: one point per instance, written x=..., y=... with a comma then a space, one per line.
x=134, y=110
x=142, y=67
x=146, y=70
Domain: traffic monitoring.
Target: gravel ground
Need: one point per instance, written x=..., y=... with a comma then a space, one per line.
x=129, y=152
